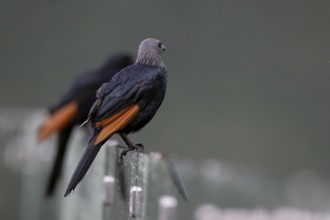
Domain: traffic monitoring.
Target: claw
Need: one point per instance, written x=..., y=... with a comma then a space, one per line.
x=138, y=147
x=135, y=147
x=124, y=152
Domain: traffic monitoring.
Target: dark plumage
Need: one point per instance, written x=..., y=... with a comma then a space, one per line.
x=125, y=104
x=73, y=109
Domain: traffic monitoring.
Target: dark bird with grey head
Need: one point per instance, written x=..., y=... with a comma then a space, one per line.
x=125, y=104
x=73, y=108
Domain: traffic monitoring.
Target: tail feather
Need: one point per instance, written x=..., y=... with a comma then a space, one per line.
x=101, y=134
x=56, y=171
x=83, y=166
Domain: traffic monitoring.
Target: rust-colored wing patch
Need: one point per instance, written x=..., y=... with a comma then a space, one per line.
x=114, y=117
x=58, y=120
x=115, y=122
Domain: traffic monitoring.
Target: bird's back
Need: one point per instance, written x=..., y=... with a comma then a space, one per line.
x=153, y=81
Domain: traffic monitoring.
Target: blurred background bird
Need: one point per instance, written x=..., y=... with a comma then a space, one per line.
x=73, y=107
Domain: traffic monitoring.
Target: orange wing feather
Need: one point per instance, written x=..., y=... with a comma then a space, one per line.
x=112, y=118
x=58, y=120
x=115, y=122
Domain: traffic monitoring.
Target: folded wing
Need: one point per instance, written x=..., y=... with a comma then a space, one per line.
x=58, y=120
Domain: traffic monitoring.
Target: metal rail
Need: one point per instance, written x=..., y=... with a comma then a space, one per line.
x=140, y=186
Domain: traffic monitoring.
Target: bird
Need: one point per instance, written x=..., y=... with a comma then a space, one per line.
x=73, y=107
x=125, y=104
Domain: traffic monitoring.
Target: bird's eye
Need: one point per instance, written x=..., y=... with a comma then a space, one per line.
x=160, y=45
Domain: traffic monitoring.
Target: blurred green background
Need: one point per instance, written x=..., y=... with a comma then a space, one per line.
x=248, y=80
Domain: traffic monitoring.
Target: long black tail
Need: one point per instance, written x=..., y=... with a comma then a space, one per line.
x=84, y=164
x=56, y=171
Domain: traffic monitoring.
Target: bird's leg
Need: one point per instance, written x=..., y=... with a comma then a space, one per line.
x=130, y=145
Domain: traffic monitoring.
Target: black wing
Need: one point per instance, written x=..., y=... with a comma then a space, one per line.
x=127, y=87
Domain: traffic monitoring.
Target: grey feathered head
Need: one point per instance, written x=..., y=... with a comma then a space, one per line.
x=149, y=52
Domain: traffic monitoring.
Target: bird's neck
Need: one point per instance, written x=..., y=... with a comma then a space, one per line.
x=150, y=60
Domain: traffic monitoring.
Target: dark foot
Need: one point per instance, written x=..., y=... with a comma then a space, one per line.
x=135, y=147
x=138, y=147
